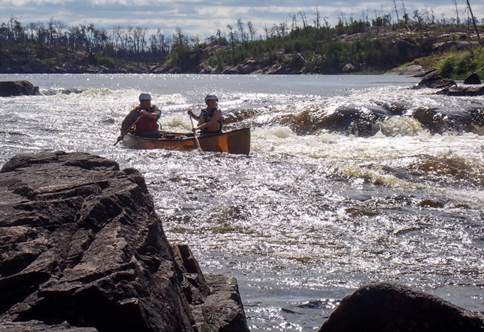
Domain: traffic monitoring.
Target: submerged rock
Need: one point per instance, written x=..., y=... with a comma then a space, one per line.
x=473, y=79
x=433, y=80
x=83, y=250
x=385, y=307
x=463, y=91
x=17, y=88
x=441, y=120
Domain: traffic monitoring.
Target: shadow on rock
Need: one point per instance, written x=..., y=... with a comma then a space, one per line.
x=83, y=250
x=386, y=307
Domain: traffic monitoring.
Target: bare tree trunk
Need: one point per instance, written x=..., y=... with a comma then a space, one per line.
x=474, y=22
x=457, y=13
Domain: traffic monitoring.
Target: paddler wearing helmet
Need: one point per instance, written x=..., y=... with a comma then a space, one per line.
x=210, y=120
x=144, y=118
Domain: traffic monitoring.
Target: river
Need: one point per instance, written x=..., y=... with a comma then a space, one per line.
x=314, y=211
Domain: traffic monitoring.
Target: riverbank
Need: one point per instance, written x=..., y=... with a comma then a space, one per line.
x=375, y=51
x=453, y=64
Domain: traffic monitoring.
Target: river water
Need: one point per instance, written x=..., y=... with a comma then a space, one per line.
x=319, y=207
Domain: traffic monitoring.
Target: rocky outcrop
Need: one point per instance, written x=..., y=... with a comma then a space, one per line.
x=441, y=120
x=385, y=307
x=473, y=79
x=433, y=80
x=463, y=91
x=83, y=250
x=17, y=88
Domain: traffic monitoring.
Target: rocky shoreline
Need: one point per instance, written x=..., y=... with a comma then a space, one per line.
x=83, y=248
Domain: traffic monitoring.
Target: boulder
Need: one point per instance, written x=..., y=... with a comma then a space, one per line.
x=83, y=250
x=17, y=88
x=348, y=68
x=433, y=80
x=473, y=79
x=442, y=120
x=385, y=307
x=463, y=91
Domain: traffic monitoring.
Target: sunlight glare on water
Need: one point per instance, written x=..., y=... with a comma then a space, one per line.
x=308, y=216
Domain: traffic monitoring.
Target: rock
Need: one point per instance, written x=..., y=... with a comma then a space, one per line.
x=434, y=81
x=428, y=203
x=345, y=119
x=386, y=307
x=441, y=120
x=17, y=88
x=250, y=66
x=83, y=250
x=41, y=327
x=473, y=79
x=348, y=68
x=462, y=91
x=453, y=45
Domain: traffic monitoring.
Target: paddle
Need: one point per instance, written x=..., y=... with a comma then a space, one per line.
x=195, y=135
x=121, y=137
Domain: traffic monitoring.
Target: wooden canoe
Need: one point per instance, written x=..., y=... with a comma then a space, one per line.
x=235, y=141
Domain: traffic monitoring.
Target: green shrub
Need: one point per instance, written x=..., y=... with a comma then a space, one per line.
x=459, y=65
x=104, y=60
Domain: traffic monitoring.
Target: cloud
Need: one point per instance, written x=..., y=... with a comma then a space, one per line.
x=204, y=17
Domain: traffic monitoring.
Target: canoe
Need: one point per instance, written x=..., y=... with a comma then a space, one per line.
x=235, y=141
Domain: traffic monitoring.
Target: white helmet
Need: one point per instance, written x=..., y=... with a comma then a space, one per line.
x=144, y=97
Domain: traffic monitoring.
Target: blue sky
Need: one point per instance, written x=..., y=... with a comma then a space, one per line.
x=204, y=17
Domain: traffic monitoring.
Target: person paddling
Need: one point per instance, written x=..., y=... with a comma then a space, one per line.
x=210, y=120
x=144, y=117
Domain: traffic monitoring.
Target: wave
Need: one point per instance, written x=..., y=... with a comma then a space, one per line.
x=390, y=112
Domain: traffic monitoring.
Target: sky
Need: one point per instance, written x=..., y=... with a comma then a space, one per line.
x=204, y=17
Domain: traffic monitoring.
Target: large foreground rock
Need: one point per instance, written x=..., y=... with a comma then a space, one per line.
x=83, y=250
x=385, y=307
x=17, y=88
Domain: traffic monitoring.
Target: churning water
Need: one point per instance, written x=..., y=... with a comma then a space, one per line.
x=351, y=179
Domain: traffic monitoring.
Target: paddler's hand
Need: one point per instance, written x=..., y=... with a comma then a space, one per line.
x=190, y=112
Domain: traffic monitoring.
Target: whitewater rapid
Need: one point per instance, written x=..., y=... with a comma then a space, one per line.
x=318, y=208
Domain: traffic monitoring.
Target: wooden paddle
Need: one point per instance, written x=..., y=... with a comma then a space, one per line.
x=120, y=138
x=195, y=135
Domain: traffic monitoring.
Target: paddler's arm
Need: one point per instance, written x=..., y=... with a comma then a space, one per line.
x=196, y=117
x=150, y=115
x=129, y=120
x=217, y=115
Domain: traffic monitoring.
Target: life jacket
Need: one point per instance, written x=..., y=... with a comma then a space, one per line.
x=207, y=114
x=146, y=125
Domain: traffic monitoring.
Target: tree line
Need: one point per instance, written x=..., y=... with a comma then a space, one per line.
x=311, y=34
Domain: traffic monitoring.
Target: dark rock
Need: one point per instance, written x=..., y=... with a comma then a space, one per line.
x=385, y=307
x=434, y=81
x=473, y=79
x=345, y=119
x=348, y=68
x=463, y=91
x=453, y=45
x=83, y=250
x=428, y=203
x=441, y=120
x=41, y=327
x=17, y=88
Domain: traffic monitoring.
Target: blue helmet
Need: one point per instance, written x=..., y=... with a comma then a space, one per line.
x=144, y=97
